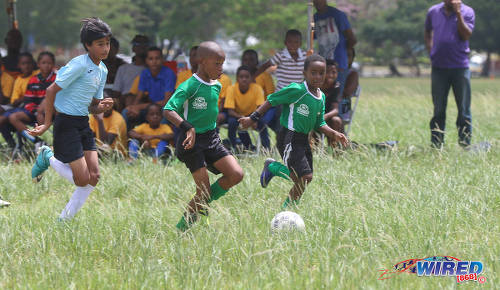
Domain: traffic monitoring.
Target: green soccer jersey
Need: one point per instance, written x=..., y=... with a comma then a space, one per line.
x=303, y=111
x=196, y=101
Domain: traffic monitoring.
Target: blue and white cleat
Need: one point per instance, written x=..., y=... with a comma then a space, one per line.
x=42, y=163
x=266, y=175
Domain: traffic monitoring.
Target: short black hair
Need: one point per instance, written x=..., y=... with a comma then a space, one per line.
x=313, y=58
x=155, y=48
x=331, y=62
x=93, y=28
x=114, y=42
x=293, y=32
x=27, y=54
x=251, y=51
x=242, y=68
x=47, y=53
x=152, y=105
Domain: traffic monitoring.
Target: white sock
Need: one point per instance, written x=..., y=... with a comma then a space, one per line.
x=76, y=202
x=62, y=168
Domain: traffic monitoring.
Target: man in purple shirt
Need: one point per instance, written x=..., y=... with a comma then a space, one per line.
x=448, y=27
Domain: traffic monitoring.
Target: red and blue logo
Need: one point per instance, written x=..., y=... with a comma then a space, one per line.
x=439, y=266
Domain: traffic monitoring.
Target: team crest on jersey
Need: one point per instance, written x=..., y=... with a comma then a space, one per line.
x=303, y=109
x=200, y=103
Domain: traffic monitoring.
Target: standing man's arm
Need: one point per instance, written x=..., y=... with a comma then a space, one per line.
x=428, y=40
x=464, y=31
x=350, y=38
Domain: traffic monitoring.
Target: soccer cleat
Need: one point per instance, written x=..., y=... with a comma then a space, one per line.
x=266, y=175
x=42, y=163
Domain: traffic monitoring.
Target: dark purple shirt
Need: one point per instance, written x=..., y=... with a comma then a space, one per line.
x=448, y=50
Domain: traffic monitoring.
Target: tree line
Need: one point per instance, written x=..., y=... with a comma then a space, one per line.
x=386, y=29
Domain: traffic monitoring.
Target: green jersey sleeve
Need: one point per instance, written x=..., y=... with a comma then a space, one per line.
x=287, y=95
x=320, y=121
x=176, y=102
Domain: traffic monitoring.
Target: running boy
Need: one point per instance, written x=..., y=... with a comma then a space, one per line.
x=78, y=90
x=303, y=112
x=193, y=108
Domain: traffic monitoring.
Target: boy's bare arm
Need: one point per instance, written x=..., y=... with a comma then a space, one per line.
x=50, y=96
x=166, y=137
x=334, y=135
x=175, y=119
x=428, y=40
x=232, y=113
x=263, y=68
x=105, y=136
x=350, y=38
x=246, y=122
x=100, y=106
x=134, y=135
x=352, y=83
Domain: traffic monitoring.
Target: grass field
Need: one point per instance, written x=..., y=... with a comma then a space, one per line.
x=364, y=211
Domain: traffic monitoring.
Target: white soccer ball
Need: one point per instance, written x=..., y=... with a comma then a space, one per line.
x=287, y=221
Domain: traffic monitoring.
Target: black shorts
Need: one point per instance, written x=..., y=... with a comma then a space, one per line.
x=296, y=152
x=72, y=136
x=207, y=150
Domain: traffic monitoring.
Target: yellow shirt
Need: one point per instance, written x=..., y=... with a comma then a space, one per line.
x=7, y=82
x=145, y=129
x=114, y=124
x=244, y=104
x=135, y=85
x=265, y=80
x=226, y=82
x=20, y=86
x=183, y=76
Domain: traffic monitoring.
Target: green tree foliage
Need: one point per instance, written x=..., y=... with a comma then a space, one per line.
x=486, y=36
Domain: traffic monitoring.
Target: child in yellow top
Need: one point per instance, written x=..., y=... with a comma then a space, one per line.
x=153, y=135
x=110, y=130
x=26, y=64
x=193, y=62
x=242, y=99
x=6, y=83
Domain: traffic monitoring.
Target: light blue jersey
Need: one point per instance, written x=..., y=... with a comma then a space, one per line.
x=81, y=80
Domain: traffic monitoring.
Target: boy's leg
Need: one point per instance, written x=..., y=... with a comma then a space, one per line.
x=161, y=148
x=6, y=129
x=199, y=200
x=299, y=185
x=86, y=174
x=462, y=90
x=133, y=148
x=440, y=89
x=231, y=130
x=245, y=138
x=232, y=174
x=264, y=135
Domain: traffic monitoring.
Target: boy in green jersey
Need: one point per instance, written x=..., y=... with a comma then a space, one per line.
x=303, y=112
x=193, y=108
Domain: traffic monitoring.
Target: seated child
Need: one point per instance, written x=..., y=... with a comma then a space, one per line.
x=331, y=88
x=34, y=96
x=156, y=85
x=109, y=130
x=303, y=112
x=26, y=64
x=241, y=100
x=6, y=83
x=152, y=135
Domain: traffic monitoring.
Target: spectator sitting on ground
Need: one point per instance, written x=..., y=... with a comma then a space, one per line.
x=7, y=83
x=128, y=72
x=26, y=64
x=242, y=99
x=34, y=96
x=110, y=131
x=14, y=41
x=250, y=58
x=193, y=62
x=152, y=135
x=156, y=85
x=112, y=62
x=331, y=89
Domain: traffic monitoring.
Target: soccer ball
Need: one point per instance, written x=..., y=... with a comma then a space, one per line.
x=287, y=221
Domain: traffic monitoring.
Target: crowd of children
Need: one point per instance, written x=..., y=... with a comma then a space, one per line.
x=147, y=107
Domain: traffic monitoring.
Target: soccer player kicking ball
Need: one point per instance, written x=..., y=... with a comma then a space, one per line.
x=303, y=112
x=193, y=108
x=78, y=90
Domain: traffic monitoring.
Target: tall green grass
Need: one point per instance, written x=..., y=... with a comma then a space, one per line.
x=365, y=211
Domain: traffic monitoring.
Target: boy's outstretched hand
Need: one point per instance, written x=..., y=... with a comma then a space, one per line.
x=246, y=122
x=339, y=137
x=38, y=130
x=188, y=143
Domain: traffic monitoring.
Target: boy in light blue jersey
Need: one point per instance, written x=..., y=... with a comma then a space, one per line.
x=77, y=91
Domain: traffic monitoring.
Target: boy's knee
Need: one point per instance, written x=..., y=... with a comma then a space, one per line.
x=236, y=176
x=81, y=180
